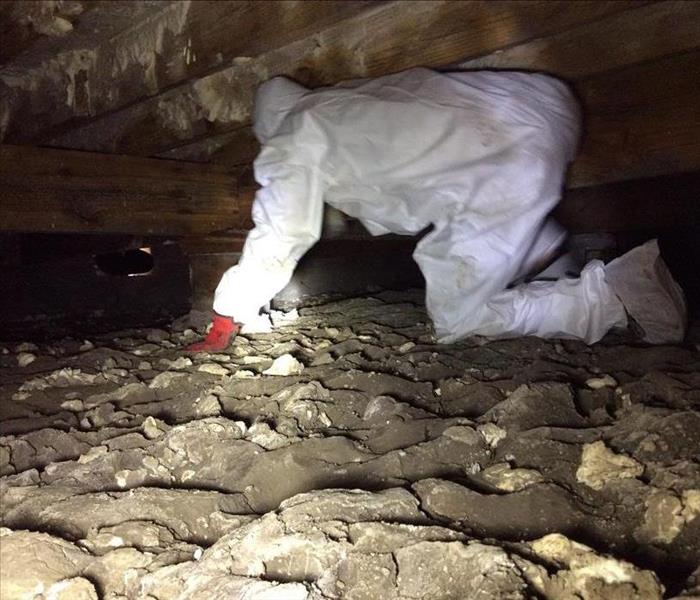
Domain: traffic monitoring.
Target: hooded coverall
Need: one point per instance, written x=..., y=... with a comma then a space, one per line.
x=481, y=156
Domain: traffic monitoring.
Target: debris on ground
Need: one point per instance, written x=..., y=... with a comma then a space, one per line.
x=345, y=455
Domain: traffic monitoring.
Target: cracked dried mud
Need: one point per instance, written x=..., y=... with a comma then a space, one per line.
x=345, y=455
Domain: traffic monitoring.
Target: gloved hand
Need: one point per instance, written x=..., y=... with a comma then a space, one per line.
x=221, y=334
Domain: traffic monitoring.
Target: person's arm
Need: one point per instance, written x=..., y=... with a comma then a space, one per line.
x=288, y=213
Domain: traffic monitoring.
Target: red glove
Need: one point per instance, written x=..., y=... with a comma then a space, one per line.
x=222, y=332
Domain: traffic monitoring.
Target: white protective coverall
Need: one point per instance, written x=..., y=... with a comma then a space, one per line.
x=479, y=155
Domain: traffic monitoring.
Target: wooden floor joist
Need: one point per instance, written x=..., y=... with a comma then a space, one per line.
x=390, y=37
x=67, y=191
x=48, y=190
x=648, y=204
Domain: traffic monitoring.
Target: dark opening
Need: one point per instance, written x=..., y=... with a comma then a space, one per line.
x=136, y=261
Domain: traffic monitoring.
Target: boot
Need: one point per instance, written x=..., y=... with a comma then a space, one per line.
x=649, y=293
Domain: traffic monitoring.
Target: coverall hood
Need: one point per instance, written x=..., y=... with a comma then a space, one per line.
x=274, y=99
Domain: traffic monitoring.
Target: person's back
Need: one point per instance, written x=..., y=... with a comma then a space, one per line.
x=390, y=148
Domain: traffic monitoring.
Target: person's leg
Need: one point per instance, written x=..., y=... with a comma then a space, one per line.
x=584, y=308
x=466, y=277
x=473, y=256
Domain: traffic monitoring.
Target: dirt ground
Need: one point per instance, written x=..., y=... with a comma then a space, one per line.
x=345, y=455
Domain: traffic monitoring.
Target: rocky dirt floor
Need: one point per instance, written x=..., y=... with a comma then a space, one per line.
x=344, y=455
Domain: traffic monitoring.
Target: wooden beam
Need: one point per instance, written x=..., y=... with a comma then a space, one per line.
x=390, y=37
x=22, y=23
x=618, y=116
x=235, y=148
x=648, y=204
x=642, y=204
x=640, y=122
x=58, y=190
x=179, y=42
x=630, y=37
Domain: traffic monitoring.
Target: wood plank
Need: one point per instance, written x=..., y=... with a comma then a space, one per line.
x=648, y=204
x=233, y=149
x=181, y=41
x=68, y=191
x=640, y=122
x=220, y=243
x=390, y=37
x=642, y=204
x=627, y=38
x=22, y=23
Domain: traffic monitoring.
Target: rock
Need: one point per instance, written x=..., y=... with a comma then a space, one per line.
x=186, y=486
x=33, y=562
x=152, y=428
x=284, y=348
x=537, y=510
x=181, y=362
x=213, y=369
x=666, y=514
x=601, y=466
x=285, y=365
x=165, y=379
x=262, y=435
x=324, y=358
x=438, y=569
x=65, y=377
x=536, y=405
x=255, y=360
x=243, y=374
x=145, y=349
x=77, y=588
x=157, y=336
x=308, y=540
x=26, y=347
x=25, y=358
x=208, y=406
x=86, y=345
x=109, y=363
x=508, y=479
x=403, y=348
x=73, y=405
x=117, y=572
x=493, y=434
x=584, y=574
x=280, y=318
x=596, y=383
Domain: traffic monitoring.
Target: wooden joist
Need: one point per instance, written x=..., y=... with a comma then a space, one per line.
x=640, y=119
x=175, y=42
x=68, y=191
x=640, y=122
x=390, y=37
x=22, y=23
x=649, y=204
x=622, y=39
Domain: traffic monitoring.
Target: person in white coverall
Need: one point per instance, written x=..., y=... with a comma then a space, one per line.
x=480, y=156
